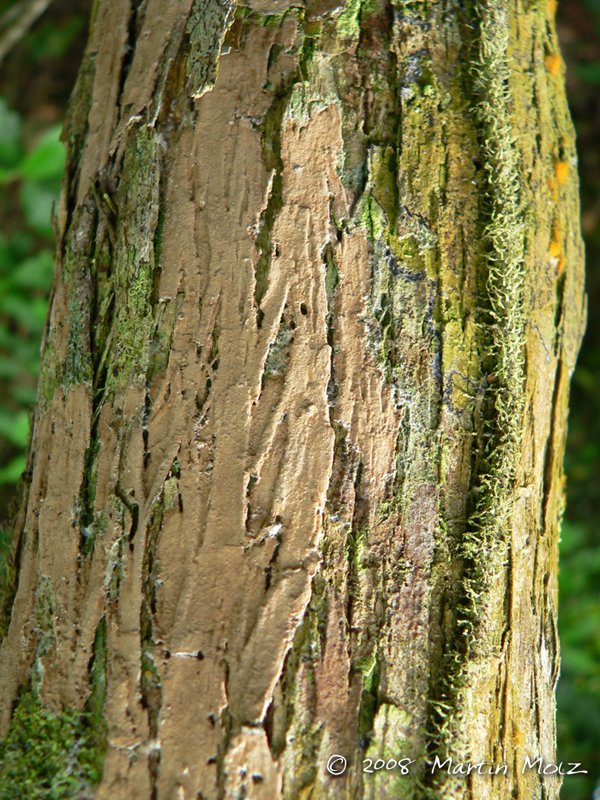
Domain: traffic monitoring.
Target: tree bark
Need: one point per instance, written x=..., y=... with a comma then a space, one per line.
x=295, y=475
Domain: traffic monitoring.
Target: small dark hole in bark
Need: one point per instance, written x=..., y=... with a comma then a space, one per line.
x=278, y=519
x=212, y=719
x=167, y=654
x=200, y=655
x=257, y=778
x=303, y=309
x=276, y=251
x=180, y=504
x=212, y=760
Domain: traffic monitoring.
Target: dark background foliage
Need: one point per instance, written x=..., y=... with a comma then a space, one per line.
x=579, y=607
x=36, y=78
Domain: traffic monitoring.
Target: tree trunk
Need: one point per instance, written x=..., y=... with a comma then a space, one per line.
x=295, y=477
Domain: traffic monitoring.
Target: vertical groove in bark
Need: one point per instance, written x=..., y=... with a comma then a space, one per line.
x=296, y=462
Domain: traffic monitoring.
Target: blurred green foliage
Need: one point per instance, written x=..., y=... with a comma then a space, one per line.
x=32, y=179
x=578, y=690
x=53, y=40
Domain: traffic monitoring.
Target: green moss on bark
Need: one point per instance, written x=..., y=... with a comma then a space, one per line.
x=133, y=282
x=56, y=756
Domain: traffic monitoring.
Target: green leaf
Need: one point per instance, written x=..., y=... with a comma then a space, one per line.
x=25, y=395
x=34, y=272
x=585, y=379
x=36, y=201
x=588, y=72
x=15, y=427
x=54, y=40
x=30, y=313
x=8, y=175
x=19, y=246
x=578, y=661
x=9, y=368
x=13, y=470
x=11, y=151
x=47, y=159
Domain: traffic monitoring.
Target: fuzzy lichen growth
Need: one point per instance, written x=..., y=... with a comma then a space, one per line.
x=485, y=543
x=505, y=237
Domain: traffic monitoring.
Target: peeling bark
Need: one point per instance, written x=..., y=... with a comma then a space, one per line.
x=295, y=478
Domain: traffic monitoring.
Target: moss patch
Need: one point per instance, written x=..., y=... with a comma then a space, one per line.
x=56, y=756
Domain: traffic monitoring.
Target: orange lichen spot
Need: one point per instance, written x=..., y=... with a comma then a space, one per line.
x=551, y=5
x=553, y=63
x=555, y=249
x=561, y=170
x=561, y=265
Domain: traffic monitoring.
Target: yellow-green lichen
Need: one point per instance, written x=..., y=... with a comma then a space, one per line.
x=348, y=22
x=171, y=493
x=372, y=217
x=207, y=25
x=485, y=543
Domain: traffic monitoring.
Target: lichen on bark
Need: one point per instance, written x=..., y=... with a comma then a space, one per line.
x=301, y=413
